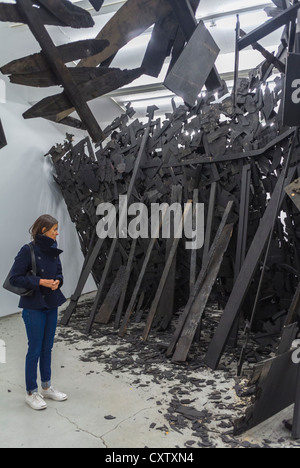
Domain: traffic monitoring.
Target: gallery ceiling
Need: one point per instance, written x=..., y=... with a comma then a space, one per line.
x=219, y=16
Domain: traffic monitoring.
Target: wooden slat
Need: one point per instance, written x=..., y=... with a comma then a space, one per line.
x=113, y=247
x=197, y=310
x=3, y=141
x=130, y=307
x=131, y=20
x=87, y=91
x=68, y=52
x=125, y=283
x=199, y=281
x=294, y=309
x=242, y=283
x=160, y=44
x=227, y=156
x=276, y=389
x=193, y=67
x=9, y=12
x=70, y=14
x=193, y=268
x=270, y=26
x=209, y=219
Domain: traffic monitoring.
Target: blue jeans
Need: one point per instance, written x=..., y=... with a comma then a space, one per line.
x=40, y=327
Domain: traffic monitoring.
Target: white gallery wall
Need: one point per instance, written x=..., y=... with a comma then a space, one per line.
x=27, y=190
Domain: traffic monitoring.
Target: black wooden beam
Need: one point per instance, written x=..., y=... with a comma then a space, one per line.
x=269, y=27
x=49, y=49
x=97, y=4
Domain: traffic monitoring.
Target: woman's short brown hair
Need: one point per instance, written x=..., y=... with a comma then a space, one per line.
x=44, y=221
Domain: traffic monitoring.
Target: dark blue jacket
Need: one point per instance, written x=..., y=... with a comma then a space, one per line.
x=48, y=267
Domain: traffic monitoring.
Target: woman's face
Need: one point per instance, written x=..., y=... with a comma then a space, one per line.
x=52, y=233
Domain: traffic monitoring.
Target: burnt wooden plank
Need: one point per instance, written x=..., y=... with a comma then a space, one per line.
x=97, y=4
x=70, y=14
x=181, y=38
x=40, y=33
x=276, y=389
x=131, y=20
x=189, y=74
x=296, y=416
x=69, y=121
x=185, y=16
x=269, y=27
x=127, y=273
x=165, y=274
x=130, y=307
x=294, y=310
x=103, y=80
x=88, y=264
x=89, y=260
x=209, y=219
x=197, y=310
x=96, y=304
x=109, y=80
x=194, y=251
x=160, y=44
x=3, y=141
x=242, y=283
x=243, y=219
x=267, y=55
x=36, y=63
x=227, y=156
x=112, y=297
x=288, y=335
x=293, y=191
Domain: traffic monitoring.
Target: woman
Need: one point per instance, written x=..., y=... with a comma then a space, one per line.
x=40, y=309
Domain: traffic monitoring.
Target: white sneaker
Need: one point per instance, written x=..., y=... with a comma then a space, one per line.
x=53, y=394
x=36, y=401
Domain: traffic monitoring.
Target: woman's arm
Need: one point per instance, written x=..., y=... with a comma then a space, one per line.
x=21, y=267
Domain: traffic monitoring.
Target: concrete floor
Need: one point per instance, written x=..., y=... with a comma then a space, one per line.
x=136, y=411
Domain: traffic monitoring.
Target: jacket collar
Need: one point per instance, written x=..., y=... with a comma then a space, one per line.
x=47, y=244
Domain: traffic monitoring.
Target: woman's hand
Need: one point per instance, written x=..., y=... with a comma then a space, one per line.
x=55, y=285
x=51, y=284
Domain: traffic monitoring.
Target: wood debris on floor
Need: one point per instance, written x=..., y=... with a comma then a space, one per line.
x=200, y=405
